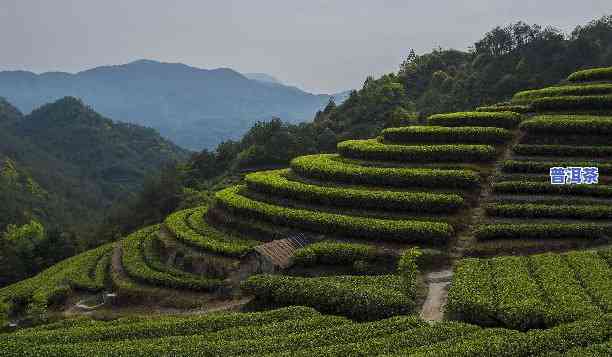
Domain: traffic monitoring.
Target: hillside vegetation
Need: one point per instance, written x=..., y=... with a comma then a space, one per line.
x=336, y=254
x=64, y=166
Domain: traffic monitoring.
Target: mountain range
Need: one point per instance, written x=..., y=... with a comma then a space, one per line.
x=195, y=108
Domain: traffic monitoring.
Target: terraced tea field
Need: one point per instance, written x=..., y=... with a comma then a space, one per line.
x=531, y=259
x=298, y=331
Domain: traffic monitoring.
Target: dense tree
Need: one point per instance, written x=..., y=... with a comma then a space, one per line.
x=29, y=248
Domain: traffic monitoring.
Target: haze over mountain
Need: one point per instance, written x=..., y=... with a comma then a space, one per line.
x=196, y=108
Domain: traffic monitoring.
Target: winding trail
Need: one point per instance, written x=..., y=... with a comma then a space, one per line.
x=438, y=283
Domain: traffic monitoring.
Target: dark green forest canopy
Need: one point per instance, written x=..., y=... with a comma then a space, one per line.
x=69, y=164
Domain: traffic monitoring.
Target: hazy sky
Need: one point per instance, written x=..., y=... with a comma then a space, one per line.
x=321, y=46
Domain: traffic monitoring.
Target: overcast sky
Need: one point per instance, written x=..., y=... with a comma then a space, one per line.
x=321, y=46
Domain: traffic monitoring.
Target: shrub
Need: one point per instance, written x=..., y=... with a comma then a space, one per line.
x=214, y=325
x=501, y=342
x=516, y=108
x=507, y=120
x=189, y=227
x=376, y=344
x=53, y=285
x=496, y=291
x=135, y=265
x=273, y=338
x=519, y=299
x=595, y=275
x=540, y=188
x=542, y=231
x=336, y=253
x=357, y=297
x=329, y=168
x=315, y=335
x=529, y=291
x=471, y=295
x=92, y=271
x=4, y=314
x=374, y=150
x=566, y=299
x=543, y=167
x=575, y=90
x=534, y=210
x=408, y=270
x=401, y=230
x=573, y=103
x=441, y=134
x=563, y=150
x=275, y=183
x=593, y=74
x=568, y=124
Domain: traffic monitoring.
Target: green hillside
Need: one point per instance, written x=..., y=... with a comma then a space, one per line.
x=83, y=160
x=462, y=204
x=64, y=166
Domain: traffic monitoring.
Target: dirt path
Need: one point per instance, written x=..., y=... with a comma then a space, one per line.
x=437, y=294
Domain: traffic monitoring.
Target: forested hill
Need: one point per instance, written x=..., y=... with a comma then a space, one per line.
x=64, y=164
x=504, y=61
x=195, y=108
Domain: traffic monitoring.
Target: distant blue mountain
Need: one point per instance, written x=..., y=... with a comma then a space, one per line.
x=196, y=108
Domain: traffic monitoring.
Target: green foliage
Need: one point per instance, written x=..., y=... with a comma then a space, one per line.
x=336, y=253
x=505, y=108
x=25, y=238
x=305, y=333
x=530, y=292
x=529, y=96
x=573, y=103
x=542, y=231
x=503, y=62
x=594, y=275
x=493, y=342
x=51, y=286
x=68, y=165
x=507, y=120
x=471, y=295
x=29, y=248
x=277, y=184
x=408, y=270
x=568, y=301
x=531, y=210
x=544, y=188
x=519, y=301
x=563, y=150
x=189, y=226
x=91, y=271
x=541, y=167
x=4, y=311
x=136, y=265
x=371, y=228
x=357, y=297
x=440, y=134
x=593, y=74
x=568, y=124
x=331, y=168
x=373, y=149
x=380, y=103
x=220, y=325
